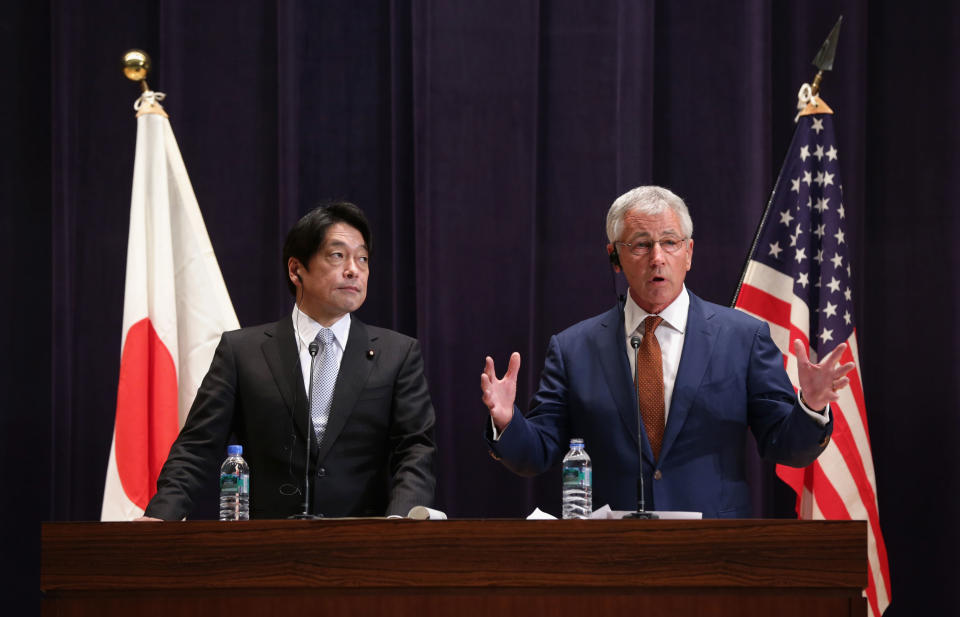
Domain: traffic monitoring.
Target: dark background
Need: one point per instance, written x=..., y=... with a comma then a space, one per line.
x=485, y=140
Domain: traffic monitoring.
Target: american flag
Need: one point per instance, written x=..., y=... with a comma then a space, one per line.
x=798, y=279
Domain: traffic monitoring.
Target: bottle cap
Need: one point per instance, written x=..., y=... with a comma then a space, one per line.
x=234, y=450
x=576, y=441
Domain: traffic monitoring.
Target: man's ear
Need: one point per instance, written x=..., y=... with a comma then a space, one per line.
x=293, y=270
x=614, y=257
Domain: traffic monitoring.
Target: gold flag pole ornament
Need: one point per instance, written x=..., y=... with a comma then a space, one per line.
x=808, y=98
x=136, y=65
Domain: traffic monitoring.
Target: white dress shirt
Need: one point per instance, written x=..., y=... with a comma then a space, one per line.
x=670, y=334
x=305, y=330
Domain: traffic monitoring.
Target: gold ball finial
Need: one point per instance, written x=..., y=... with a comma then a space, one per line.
x=136, y=65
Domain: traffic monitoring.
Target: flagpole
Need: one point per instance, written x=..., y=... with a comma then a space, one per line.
x=808, y=102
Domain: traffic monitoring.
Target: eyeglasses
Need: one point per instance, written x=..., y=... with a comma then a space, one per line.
x=670, y=244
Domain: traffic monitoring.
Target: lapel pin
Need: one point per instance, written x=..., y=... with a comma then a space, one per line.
x=370, y=353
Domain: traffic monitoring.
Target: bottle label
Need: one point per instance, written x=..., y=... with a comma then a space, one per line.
x=577, y=476
x=235, y=483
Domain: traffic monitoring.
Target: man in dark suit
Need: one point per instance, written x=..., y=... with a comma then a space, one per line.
x=706, y=374
x=371, y=430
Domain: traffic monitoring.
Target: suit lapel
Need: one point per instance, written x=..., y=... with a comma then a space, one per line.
x=280, y=352
x=612, y=353
x=697, y=348
x=354, y=372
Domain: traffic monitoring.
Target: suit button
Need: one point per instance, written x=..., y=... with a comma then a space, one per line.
x=321, y=472
x=657, y=475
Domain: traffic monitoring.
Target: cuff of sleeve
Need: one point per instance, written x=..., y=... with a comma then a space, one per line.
x=496, y=434
x=821, y=417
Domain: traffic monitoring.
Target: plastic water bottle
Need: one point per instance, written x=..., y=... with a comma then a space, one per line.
x=577, y=482
x=234, y=486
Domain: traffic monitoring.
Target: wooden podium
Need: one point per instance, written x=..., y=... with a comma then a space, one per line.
x=456, y=568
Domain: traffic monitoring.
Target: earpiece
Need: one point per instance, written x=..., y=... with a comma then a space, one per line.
x=615, y=258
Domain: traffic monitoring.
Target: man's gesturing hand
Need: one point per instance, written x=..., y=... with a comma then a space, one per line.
x=500, y=394
x=819, y=382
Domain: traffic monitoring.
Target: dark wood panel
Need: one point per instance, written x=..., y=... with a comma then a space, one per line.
x=379, y=554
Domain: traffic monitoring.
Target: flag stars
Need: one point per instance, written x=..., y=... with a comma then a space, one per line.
x=846, y=317
x=819, y=178
x=820, y=231
x=832, y=154
x=830, y=310
x=796, y=185
x=786, y=217
x=828, y=179
x=848, y=270
x=834, y=284
x=826, y=335
x=775, y=250
x=793, y=240
x=821, y=205
x=800, y=255
x=803, y=280
x=847, y=295
x=804, y=153
x=837, y=260
x=843, y=213
x=819, y=259
x=818, y=152
x=839, y=236
x=817, y=125
x=799, y=230
x=807, y=178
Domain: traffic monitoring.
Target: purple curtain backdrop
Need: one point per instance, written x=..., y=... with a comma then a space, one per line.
x=485, y=141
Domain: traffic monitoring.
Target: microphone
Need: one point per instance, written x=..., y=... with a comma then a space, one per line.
x=313, y=348
x=641, y=500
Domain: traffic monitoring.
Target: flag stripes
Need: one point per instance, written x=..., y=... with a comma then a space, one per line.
x=798, y=279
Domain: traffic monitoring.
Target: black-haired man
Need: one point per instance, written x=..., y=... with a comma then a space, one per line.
x=372, y=439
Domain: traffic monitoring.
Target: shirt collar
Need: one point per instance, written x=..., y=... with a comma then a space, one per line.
x=307, y=328
x=675, y=315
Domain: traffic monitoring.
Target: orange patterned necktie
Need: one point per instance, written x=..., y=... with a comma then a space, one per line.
x=650, y=384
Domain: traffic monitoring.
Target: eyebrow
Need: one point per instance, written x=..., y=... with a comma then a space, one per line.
x=341, y=243
x=647, y=234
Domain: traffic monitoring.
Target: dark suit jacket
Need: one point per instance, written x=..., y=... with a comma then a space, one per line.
x=730, y=378
x=377, y=452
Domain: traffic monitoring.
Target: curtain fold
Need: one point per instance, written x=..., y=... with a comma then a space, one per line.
x=485, y=141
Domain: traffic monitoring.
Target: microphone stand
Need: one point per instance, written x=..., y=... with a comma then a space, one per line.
x=313, y=348
x=641, y=500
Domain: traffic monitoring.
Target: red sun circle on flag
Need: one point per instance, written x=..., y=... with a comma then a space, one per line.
x=146, y=411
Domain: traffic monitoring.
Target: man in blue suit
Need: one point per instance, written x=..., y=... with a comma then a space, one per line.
x=707, y=374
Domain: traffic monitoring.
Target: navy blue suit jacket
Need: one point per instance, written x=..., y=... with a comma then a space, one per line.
x=731, y=378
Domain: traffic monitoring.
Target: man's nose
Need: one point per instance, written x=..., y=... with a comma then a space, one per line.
x=657, y=253
x=350, y=268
